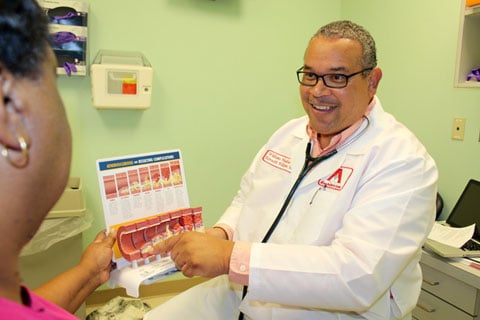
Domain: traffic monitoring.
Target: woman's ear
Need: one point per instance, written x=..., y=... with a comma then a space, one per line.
x=12, y=128
x=5, y=90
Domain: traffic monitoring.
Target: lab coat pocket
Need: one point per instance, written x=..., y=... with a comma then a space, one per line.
x=305, y=222
x=319, y=207
x=319, y=219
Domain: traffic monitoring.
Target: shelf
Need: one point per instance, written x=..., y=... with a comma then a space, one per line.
x=471, y=11
x=468, y=49
x=468, y=84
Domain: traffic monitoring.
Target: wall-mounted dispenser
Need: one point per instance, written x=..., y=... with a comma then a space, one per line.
x=68, y=27
x=121, y=80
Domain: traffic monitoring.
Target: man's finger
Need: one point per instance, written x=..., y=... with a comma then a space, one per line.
x=166, y=246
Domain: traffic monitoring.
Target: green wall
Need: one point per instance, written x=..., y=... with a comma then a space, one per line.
x=224, y=80
x=417, y=48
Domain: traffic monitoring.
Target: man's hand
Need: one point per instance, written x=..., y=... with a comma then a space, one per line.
x=216, y=232
x=198, y=254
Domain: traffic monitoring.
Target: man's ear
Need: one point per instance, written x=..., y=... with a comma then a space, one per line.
x=374, y=80
x=11, y=117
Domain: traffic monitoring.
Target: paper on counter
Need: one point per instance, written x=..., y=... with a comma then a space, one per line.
x=455, y=237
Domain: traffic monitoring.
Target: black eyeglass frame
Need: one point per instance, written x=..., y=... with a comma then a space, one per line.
x=300, y=73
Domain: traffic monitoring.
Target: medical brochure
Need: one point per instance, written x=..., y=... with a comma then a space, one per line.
x=145, y=201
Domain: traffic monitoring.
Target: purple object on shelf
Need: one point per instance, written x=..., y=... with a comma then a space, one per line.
x=474, y=75
x=69, y=68
x=64, y=37
x=69, y=15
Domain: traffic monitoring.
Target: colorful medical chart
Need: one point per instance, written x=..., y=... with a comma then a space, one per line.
x=138, y=186
x=145, y=200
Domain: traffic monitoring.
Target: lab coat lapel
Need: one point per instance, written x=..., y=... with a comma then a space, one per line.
x=322, y=170
x=298, y=157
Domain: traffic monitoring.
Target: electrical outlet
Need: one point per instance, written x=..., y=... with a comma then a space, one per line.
x=458, y=128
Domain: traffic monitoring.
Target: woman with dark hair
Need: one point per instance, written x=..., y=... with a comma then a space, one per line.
x=35, y=146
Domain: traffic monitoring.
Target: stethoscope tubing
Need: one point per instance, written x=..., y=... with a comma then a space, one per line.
x=309, y=164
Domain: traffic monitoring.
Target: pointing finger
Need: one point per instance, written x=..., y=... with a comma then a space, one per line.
x=166, y=246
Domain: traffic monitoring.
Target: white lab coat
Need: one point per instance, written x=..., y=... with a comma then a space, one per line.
x=349, y=244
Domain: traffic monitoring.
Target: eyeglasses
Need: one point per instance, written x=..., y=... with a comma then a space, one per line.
x=331, y=80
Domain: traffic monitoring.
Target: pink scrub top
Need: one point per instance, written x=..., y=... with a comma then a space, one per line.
x=38, y=309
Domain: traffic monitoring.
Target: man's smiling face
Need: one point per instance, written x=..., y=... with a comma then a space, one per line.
x=331, y=110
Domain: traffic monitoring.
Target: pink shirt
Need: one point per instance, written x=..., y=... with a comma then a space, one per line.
x=240, y=258
x=38, y=309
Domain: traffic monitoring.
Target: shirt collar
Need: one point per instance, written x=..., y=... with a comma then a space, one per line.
x=318, y=151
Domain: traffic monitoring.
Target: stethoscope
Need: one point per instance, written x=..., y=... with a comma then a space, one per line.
x=309, y=163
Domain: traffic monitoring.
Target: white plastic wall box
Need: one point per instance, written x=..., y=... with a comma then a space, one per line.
x=121, y=80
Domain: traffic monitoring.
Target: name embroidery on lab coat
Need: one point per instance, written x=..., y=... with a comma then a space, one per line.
x=278, y=160
x=337, y=180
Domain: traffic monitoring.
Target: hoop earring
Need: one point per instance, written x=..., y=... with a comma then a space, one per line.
x=25, y=155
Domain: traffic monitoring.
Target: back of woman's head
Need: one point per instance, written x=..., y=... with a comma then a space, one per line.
x=24, y=36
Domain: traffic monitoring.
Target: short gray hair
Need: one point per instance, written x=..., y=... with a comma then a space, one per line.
x=345, y=29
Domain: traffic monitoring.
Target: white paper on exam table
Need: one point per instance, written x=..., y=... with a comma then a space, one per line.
x=454, y=237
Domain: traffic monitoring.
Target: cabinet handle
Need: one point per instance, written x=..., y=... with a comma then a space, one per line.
x=432, y=283
x=426, y=308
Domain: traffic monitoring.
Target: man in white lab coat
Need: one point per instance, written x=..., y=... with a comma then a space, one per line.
x=331, y=232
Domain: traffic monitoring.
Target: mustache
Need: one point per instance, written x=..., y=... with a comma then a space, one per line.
x=320, y=101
